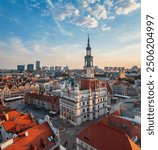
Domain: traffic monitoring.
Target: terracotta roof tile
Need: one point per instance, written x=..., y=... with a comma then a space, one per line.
x=19, y=124
x=13, y=114
x=103, y=137
x=37, y=136
x=52, y=99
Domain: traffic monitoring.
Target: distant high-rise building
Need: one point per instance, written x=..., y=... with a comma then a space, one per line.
x=20, y=68
x=37, y=65
x=30, y=67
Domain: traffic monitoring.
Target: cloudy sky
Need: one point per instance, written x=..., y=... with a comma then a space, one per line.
x=55, y=32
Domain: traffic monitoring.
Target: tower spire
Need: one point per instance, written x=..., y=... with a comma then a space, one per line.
x=88, y=44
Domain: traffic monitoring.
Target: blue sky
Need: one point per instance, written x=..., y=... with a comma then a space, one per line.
x=55, y=32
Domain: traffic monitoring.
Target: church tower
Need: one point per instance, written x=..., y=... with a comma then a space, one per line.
x=89, y=69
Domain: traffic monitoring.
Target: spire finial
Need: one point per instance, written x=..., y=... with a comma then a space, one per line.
x=88, y=41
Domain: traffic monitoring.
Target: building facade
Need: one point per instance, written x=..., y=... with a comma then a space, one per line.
x=30, y=67
x=16, y=91
x=43, y=101
x=37, y=65
x=20, y=68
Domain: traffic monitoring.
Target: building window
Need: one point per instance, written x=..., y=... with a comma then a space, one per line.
x=84, y=116
x=83, y=103
x=82, y=144
x=86, y=146
x=87, y=115
x=87, y=109
x=98, y=106
x=83, y=110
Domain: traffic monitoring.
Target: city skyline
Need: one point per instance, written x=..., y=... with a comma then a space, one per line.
x=55, y=32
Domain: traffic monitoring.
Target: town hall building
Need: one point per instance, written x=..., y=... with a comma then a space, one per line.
x=84, y=98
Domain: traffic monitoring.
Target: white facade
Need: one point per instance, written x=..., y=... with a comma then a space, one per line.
x=89, y=72
x=82, y=145
x=78, y=105
x=15, y=91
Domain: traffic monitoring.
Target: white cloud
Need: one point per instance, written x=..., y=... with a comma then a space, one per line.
x=55, y=14
x=62, y=30
x=14, y=19
x=130, y=7
x=17, y=45
x=86, y=3
x=87, y=21
x=61, y=12
x=109, y=3
x=44, y=12
x=105, y=28
x=99, y=12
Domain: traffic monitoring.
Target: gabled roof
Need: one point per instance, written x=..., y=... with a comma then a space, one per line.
x=38, y=137
x=103, y=137
x=14, y=114
x=116, y=121
x=19, y=124
x=93, y=84
x=52, y=99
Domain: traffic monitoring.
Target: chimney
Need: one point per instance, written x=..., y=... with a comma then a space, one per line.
x=6, y=116
x=26, y=134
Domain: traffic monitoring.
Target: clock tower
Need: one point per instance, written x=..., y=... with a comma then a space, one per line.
x=88, y=67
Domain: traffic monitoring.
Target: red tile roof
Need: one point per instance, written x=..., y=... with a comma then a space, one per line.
x=52, y=99
x=37, y=136
x=14, y=114
x=93, y=84
x=115, y=121
x=19, y=124
x=103, y=137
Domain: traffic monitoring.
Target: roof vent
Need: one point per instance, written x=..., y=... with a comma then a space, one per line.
x=15, y=135
x=50, y=138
